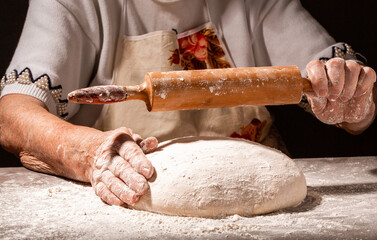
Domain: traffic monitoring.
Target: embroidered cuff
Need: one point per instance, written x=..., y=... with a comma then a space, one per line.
x=40, y=88
x=346, y=52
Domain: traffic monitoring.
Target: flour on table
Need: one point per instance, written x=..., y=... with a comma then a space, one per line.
x=216, y=177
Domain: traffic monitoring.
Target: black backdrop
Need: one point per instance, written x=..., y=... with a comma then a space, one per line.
x=350, y=21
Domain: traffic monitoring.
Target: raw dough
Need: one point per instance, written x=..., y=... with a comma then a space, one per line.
x=215, y=177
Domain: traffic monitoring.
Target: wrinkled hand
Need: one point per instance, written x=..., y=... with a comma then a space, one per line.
x=342, y=93
x=120, y=168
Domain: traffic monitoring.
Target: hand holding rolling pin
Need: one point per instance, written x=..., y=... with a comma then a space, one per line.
x=342, y=93
x=120, y=169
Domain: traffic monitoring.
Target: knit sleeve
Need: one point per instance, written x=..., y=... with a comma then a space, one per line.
x=54, y=56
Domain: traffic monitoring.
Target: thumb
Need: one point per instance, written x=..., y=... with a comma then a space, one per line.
x=149, y=145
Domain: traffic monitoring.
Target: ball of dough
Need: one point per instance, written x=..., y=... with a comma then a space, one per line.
x=216, y=177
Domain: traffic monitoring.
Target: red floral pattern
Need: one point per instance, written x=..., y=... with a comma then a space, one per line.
x=195, y=44
x=253, y=131
x=200, y=50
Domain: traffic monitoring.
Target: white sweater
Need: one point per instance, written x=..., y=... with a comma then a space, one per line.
x=67, y=44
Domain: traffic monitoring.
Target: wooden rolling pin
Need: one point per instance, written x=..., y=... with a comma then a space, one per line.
x=210, y=88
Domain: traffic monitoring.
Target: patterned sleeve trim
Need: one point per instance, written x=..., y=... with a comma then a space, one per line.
x=42, y=82
x=346, y=52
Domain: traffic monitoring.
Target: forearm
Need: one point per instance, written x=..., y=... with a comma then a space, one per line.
x=44, y=142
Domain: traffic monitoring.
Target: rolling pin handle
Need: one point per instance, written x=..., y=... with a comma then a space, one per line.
x=307, y=85
x=99, y=94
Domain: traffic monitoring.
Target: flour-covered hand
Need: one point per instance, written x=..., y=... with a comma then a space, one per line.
x=120, y=168
x=342, y=93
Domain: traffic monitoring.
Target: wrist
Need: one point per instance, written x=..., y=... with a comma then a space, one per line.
x=358, y=127
x=89, y=140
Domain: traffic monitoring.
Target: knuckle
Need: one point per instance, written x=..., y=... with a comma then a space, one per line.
x=124, y=130
x=322, y=79
x=96, y=176
x=100, y=189
x=353, y=66
x=102, y=159
x=120, y=169
x=137, y=135
x=111, y=184
x=137, y=138
x=369, y=72
x=346, y=96
x=335, y=63
x=313, y=65
x=131, y=153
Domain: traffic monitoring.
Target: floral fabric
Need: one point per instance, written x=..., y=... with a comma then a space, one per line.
x=200, y=50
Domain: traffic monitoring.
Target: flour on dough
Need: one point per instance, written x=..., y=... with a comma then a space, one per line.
x=215, y=177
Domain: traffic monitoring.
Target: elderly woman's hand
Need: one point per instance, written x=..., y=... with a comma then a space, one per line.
x=120, y=168
x=342, y=93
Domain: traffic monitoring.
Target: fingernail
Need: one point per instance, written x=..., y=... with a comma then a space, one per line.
x=148, y=145
x=147, y=172
x=332, y=98
x=144, y=147
x=134, y=200
x=142, y=187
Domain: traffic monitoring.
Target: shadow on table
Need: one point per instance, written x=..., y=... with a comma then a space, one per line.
x=314, y=196
x=373, y=171
x=8, y=159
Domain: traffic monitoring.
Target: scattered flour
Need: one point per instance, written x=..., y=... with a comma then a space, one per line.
x=39, y=206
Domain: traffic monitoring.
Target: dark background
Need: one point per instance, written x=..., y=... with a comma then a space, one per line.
x=348, y=21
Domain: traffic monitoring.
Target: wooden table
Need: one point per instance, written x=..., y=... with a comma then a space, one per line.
x=341, y=204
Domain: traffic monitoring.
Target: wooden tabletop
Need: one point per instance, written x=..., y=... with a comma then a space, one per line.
x=341, y=204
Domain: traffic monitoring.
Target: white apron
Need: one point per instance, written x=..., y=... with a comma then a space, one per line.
x=165, y=51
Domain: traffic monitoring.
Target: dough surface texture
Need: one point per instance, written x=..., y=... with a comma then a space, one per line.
x=216, y=177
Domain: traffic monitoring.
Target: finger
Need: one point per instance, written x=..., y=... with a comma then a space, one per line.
x=114, y=140
x=366, y=81
x=335, y=74
x=119, y=189
x=318, y=104
x=352, y=72
x=149, y=145
x=123, y=170
x=131, y=152
x=105, y=194
x=122, y=143
x=137, y=138
x=317, y=75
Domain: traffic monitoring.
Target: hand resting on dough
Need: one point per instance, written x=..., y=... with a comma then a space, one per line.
x=343, y=93
x=120, y=168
